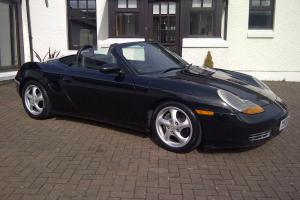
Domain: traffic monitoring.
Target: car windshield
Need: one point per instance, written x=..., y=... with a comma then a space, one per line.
x=151, y=58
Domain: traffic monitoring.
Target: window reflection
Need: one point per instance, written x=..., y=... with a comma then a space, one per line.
x=127, y=4
x=261, y=14
x=132, y=3
x=260, y=18
x=82, y=23
x=127, y=24
x=9, y=57
x=201, y=24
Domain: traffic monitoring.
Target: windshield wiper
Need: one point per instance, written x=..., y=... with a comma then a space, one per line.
x=171, y=69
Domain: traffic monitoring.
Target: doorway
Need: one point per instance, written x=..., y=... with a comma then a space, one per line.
x=164, y=21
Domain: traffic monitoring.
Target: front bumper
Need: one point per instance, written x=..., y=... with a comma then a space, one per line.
x=241, y=130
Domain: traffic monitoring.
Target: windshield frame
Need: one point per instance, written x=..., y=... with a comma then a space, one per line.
x=167, y=52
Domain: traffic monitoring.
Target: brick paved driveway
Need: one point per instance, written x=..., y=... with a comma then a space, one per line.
x=64, y=158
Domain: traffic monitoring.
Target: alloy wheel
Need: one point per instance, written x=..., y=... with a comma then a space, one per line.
x=34, y=100
x=174, y=127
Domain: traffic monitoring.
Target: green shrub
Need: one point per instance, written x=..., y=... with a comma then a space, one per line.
x=208, y=60
x=49, y=55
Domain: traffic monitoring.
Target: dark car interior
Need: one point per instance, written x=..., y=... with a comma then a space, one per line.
x=89, y=60
x=144, y=58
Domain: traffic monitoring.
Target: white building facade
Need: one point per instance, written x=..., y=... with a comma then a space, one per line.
x=257, y=37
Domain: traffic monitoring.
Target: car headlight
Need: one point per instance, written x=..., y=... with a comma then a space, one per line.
x=239, y=104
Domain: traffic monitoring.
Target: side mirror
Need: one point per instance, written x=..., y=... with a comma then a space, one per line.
x=110, y=69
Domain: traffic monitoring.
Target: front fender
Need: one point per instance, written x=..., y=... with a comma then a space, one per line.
x=196, y=96
x=30, y=71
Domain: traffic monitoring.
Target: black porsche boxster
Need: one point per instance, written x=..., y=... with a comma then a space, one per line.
x=144, y=86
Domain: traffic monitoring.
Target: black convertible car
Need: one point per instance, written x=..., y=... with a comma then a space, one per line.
x=145, y=86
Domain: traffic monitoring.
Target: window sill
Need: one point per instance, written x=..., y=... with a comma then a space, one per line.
x=260, y=34
x=7, y=75
x=109, y=41
x=204, y=43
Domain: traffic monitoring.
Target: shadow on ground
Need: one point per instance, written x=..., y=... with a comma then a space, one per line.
x=145, y=134
x=104, y=125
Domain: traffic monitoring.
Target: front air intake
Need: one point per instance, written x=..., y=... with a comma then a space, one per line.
x=259, y=136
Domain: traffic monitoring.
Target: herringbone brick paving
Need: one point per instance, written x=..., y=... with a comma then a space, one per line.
x=65, y=158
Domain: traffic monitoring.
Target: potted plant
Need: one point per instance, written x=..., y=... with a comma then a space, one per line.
x=208, y=62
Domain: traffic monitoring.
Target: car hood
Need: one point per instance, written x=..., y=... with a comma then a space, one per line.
x=243, y=85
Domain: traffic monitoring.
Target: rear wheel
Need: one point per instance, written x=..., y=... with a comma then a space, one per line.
x=176, y=127
x=35, y=100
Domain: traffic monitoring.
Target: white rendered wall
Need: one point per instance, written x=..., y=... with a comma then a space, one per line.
x=49, y=27
x=268, y=55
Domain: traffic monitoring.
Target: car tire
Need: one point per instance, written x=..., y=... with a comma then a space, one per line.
x=35, y=100
x=175, y=127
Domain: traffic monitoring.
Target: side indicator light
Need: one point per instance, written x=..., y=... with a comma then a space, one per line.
x=253, y=110
x=205, y=112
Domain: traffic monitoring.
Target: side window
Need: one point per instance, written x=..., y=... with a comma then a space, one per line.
x=68, y=60
x=261, y=14
x=97, y=61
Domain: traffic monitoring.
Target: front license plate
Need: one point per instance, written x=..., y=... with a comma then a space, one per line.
x=283, y=124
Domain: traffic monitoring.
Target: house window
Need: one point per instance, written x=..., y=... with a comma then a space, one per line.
x=164, y=22
x=82, y=23
x=261, y=14
x=202, y=3
x=10, y=57
x=127, y=3
x=125, y=18
x=201, y=24
x=205, y=18
x=127, y=24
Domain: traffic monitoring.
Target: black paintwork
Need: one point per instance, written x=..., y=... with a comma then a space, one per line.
x=128, y=99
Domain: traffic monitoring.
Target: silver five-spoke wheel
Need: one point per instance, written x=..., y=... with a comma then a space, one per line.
x=174, y=127
x=34, y=100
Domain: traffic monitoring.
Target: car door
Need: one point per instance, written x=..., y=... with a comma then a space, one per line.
x=98, y=95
